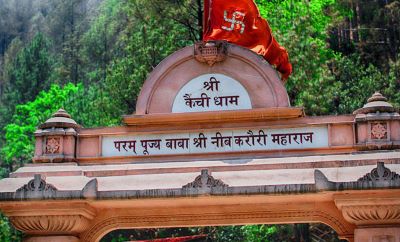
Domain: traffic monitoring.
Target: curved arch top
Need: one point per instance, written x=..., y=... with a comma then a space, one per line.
x=234, y=213
x=262, y=82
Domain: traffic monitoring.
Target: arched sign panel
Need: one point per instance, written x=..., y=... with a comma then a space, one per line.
x=211, y=92
x=184, y=83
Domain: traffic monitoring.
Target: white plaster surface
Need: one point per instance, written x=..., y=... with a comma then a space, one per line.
x=177, y=180
x=72, y=183
x=236, y=178
x=13, y=184
x=145, y=182
x=49, y=168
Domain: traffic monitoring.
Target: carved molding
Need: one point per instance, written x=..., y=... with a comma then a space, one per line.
x=379, y=131
x=379, y=177
x=53, y=145
x=107, y=224
x=365, y=211
x=38, y=184
x=51, y=224
x=372, y=214
x=205, y=181
x=39, y=189
x=50, y=218
x=380, y=174
x=211, y=52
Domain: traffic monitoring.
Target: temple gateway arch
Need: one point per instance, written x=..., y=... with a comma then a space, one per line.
x=214, y=141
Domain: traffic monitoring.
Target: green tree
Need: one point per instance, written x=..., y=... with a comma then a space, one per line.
x=26, y=73
x=29, y=72
x=7, y=232
x=19, y=145
x=9, y=57
x=66, y=23
x=151, y=38
x=301, y=27
x=91, y=107
x=357, y=82
x=101, y=43
x=84, y=104
x=187, y=14
x=372, y=31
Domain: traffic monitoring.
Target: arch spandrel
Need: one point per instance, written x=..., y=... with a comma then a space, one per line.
x=262, y=82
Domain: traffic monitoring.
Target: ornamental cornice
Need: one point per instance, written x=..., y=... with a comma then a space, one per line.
x=39, y=189
x=204, y=183
x=37, y=184
x=380, y=177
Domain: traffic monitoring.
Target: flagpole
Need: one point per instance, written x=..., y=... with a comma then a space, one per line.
x=206, y=17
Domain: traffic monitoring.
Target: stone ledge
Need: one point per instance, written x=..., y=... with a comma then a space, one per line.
x=204, y=184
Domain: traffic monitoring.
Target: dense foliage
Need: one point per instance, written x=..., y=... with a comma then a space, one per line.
x=92, y=57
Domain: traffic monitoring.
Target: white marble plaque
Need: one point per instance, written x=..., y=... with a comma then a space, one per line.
x=215, y=141
x=211, y=92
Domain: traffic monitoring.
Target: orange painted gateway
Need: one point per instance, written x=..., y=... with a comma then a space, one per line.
x=214, y=141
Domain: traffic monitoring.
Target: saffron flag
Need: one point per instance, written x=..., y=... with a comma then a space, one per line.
x=240, y=22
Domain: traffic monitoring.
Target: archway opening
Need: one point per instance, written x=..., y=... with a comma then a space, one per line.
x=317, y=232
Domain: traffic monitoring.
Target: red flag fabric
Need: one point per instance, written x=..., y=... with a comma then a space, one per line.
x=240, y=22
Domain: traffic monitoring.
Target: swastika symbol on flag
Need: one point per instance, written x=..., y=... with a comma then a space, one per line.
x=234, y=21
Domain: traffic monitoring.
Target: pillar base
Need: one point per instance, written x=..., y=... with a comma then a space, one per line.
x=377, y=234
x=52, y=239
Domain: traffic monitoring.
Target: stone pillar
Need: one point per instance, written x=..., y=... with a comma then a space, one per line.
x=377, y=219
x=44, y=222
x=378, y=234
x=56, y=139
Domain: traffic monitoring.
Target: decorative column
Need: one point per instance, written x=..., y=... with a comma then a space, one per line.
x=56, y=139
x=377, y=219
x=62, y=220
x=377, y=125
x=376, y=214
x=371, y=203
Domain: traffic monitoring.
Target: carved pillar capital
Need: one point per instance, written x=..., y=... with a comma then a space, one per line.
x=47, y=220
x=376, y=212
x=51, y=224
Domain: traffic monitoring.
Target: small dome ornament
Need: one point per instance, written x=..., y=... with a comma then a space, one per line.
x=60, y=119
x=56, y=139
x=376, y=104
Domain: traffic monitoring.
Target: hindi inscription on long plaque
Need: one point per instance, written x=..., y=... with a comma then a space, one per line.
x=215, y=141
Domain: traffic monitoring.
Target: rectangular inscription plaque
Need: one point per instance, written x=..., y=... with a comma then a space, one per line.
x=215, y=141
